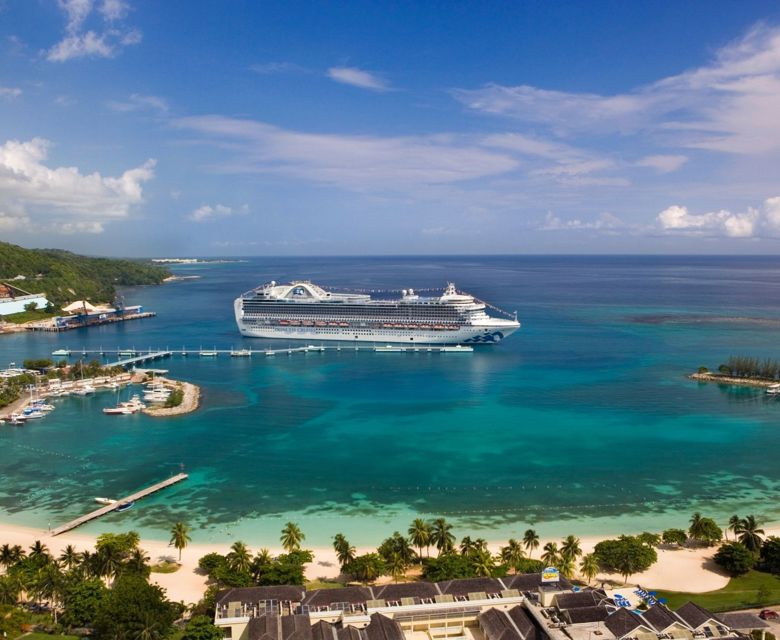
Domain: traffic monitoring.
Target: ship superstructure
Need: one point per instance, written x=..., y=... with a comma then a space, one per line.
x=301, y=310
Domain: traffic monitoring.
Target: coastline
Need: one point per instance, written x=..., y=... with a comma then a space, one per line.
x=739, y=382
x=691, y=570
x=190, y=402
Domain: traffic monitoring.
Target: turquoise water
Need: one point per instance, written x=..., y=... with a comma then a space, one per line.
x=582, y=422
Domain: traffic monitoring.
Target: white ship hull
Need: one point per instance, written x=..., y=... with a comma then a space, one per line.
x=305, y=312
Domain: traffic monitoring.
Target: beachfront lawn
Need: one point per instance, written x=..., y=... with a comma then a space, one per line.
x=29, y=316
x=754, y=589
x=165, y=567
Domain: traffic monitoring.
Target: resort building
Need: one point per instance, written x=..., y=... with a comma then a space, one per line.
x=14, y=300
x=521, y=607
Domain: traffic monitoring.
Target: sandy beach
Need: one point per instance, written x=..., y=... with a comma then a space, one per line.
x=690, y=569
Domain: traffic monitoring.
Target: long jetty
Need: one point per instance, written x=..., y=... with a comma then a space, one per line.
x=97, y=513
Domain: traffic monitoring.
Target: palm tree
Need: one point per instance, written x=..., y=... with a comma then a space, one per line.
x=550, y=556
x=420, y=535
x=531, y=541
x=589, y=566
x=697, y=524
x=441, y=535
x=138, y=562
x=39, y=550
x=345, y=552
x=292, y=536
x=512, y=554
x=70, y=557
x=9, y=590
x=397, y=566
x=239, y=559
x=749, y=533
x=733, y=524
x=467, y=546
x=6, y=556
x=570, y=548
x=482, y=562
x=180, y=536
x=566, y=566
x=108, y=561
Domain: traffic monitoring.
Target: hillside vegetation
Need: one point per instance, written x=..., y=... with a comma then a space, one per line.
x=66, y=277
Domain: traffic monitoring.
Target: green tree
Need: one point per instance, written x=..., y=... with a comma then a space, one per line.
x=625, y=555
x=570, y=548
x=135, y=609
x=735, y=558
x=749, y=534
x=770, y=555
x=70, y=558
x=589, y=566
x=551, y=555
x=180, y=536
x=531, y=541
x=201, y=628
x=733, y=524
x=137, y=563
x=448, y=566
x=292, y=536
x=704, y=530
x=650, y=539
x=239, y=558
x=420, y=535
x=367, y=567
x=674, y=536
x=512, y=554
x=9, y=590
x=287, y=568
x=396, y=544
x=345, y=552
x=397, y=566
x=80, y=601
x=482, y=562
x=39, y=550
x=441, y=535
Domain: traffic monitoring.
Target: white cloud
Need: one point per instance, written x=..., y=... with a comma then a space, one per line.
x=353, y=162
x=63, y=197
x=662, y=163
x=10, y=92
x=605, y=222
x=729, y=105
x=137, y=102
x=105, y=42
x=764, y=222
x=358, y=78
x=206, y=212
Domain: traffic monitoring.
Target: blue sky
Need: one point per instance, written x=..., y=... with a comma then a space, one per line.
x=132, y=127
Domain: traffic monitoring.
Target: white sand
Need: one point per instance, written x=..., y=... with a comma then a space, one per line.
x=690, y=570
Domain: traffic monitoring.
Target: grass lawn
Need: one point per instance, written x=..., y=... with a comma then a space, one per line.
x=28, y=316
x=323, y=584
x=739, y=593
x=165, y=567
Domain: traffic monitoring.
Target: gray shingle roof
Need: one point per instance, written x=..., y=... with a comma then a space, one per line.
x=383, y=628
x=351, y=633
x=623, y=622
x=324, y=597
x=743, y=621
x=496, y=626
x=405, y=590
x=530, y=582
x=471, y=585
x=576, y=600
x=586, y=614
x=324, y=631
x=694, y=616
x=252, y=595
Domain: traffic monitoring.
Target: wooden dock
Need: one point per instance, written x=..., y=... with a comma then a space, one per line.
x=97, y=513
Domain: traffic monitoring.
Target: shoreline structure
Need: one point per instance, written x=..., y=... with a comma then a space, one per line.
x=692, y=570
x=757, y=383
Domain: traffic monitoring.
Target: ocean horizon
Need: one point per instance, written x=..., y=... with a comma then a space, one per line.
x=581, y=422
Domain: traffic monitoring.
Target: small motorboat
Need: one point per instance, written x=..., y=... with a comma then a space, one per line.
x=117, y=411
x=124, y=506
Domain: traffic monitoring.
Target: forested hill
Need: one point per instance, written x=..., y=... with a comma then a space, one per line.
x=66, y=277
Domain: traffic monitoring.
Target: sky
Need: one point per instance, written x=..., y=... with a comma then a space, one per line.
x=235, y=128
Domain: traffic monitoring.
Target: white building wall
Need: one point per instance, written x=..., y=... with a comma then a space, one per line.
x=16, y=305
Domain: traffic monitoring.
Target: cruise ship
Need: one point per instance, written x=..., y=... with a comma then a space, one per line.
x=301, y=310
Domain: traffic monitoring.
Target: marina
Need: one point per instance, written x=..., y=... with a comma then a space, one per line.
x=118, y=505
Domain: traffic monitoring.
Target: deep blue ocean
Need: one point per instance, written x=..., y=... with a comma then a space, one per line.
x=581, y=422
